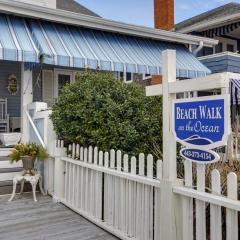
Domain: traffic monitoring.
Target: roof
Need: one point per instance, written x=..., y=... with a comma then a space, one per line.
x=81, y=20
x=216, y=15
x=73, y=6
x=26, y=39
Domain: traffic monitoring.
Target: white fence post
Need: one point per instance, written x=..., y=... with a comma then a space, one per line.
x=59, y=172
x=168, y=228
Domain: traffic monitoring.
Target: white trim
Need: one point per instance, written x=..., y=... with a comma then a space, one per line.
x=213, y=81
x=19, y=50
x=208, y=198
x=56, y=15
x=216, y=22
x=222, y=54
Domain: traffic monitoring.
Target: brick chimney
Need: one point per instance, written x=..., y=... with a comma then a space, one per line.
x=164, y=14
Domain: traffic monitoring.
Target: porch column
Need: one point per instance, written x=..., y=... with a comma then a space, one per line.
x=26, y=98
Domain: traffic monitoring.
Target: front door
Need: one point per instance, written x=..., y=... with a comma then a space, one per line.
x=62, y=78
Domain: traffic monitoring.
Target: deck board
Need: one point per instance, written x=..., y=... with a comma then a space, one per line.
x=23, y=219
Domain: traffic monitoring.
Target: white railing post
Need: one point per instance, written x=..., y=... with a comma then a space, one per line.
x=59, y=172
x=168, y=214
x=26, y=98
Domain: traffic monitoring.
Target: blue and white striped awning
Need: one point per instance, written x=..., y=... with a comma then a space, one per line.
x=78, y=47
x=221, y=31
x=235, y=91
x=16, y=43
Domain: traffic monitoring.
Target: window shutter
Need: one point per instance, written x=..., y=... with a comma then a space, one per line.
x=48, y=87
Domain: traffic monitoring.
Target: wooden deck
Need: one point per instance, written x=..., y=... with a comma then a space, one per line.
x=23, y=219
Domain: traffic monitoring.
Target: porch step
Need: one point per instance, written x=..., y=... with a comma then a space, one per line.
x=6, y=163
x=7, y=174
x=6, y=187
x=5, y=152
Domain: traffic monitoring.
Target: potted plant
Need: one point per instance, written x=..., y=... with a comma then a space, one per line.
x=28, y=153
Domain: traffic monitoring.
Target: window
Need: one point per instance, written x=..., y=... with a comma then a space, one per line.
x=219, y=48
x=126, y=77
x=129, y=77
x=121, y=76
x=205, y=52
x=62, y=78
x=230, y=48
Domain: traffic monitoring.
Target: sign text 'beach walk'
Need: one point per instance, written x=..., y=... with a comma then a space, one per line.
x=201, y=124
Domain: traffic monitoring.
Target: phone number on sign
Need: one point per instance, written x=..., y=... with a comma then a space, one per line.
x=198, y=155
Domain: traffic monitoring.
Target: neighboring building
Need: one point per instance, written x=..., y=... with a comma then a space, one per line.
x=223, y=24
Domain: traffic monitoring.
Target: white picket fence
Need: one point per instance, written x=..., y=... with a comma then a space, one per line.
x=124, y=195
x=222, y=208
x=114, y=191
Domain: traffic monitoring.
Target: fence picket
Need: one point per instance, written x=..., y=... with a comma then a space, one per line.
x=141, y=164
x=132, y=200
x=215, y=211
x=106, y=188
x=85, y=155
x=100, y=184
x=111, y=188
x=200, y=205
x=77, y=151
x=118, y=183
x=125, y=197
x=91, y=182
x=69, y=150
x=149, y=201
x=81, y=153
x=187, y=204
x=140, y=200
x=231, y=215
x=86, y=183
x=78, y=194
x=100, y=156
x=157, y=209
x=95, y=154
x=73, y=150
x=159, y=169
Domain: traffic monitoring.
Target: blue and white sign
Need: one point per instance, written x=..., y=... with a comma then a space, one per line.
x=202, y=123
x=200, y=156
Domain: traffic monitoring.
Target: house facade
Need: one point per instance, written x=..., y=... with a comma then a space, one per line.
x=222, y=24
x=44, y=47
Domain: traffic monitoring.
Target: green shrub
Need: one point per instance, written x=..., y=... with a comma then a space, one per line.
x=100, y=111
